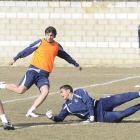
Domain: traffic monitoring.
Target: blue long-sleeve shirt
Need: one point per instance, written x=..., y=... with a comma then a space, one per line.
x=81, y=105
x=61, y=53
x=139, y=35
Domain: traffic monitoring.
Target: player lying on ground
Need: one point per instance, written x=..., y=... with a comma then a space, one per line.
x=79, y=103
x=45, y=50
x=6, y=124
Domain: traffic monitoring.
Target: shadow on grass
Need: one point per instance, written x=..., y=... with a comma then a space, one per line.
x=70, y=122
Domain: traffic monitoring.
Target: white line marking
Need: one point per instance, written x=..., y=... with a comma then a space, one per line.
x=92, y=74
x=26, y=98
x=74, y=74
x=77, y=88
x=81, y=123
x=109, y=82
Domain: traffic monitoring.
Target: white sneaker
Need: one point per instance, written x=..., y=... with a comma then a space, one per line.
x=31, y=114
x=1, y=85
x=2, y=82
x=138, y=85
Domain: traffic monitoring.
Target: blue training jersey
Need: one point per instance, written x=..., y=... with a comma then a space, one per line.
x=81, y=105
x=61, y=53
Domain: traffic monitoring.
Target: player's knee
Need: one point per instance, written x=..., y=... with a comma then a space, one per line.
x=44, y=94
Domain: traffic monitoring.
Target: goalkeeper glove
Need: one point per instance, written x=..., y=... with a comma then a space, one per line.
x=91, y=119
x=49, y=114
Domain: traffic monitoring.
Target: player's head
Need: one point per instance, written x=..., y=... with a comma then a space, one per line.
x=66, y=87
x=52, y=30
x=66, y=92
x=50, y=33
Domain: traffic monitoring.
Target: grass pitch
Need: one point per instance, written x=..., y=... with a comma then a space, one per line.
x=96, y=81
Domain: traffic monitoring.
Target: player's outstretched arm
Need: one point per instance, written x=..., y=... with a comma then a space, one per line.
x=139, y=51
x=11, y=62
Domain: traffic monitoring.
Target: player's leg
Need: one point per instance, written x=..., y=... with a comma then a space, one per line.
x=1, y=109
x=43, y=84
x=26, y=82
x=119, y=115
x=6, y=124
x=44, y=92
x=109, y=103
x=17, y=89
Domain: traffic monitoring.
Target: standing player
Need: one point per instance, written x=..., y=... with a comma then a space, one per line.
x=6, y=124
x=45, y=50
x=83, y=106
x=139, y=49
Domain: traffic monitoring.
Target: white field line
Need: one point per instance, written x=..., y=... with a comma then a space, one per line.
x=26, y=98
x=109, y=82
x=74, y=73
x=81, y=123
x=93, y=74
x=77, y=88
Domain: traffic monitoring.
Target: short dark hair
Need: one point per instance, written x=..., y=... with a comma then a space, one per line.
x=66, y=87
x=51, y=29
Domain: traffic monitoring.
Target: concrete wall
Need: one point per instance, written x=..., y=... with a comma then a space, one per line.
x=93, y=33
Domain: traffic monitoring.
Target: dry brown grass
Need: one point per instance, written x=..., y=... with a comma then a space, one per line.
x=15, y=111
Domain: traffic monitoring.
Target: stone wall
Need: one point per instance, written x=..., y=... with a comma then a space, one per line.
x=93, y=33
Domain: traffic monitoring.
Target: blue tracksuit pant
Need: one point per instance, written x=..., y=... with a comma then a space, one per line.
x=106, y=105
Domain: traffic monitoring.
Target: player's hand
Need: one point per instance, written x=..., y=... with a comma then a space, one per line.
x=11, y=62
x=49, y=114
x=139, y=51
x=80, y=68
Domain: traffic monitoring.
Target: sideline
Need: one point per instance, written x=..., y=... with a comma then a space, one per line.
x=76, y=88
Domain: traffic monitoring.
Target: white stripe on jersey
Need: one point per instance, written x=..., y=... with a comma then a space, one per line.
x=37, y=45
x=77, y=96
x=71, y=112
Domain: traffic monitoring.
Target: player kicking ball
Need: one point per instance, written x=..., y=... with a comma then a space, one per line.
x=6, y=124
x=41, y=65
x=79, y=103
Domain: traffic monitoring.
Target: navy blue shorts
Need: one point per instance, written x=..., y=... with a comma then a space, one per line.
x=32, y=77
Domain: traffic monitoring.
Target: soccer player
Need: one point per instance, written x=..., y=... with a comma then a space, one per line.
x=6, y=124
x=139, y=48
x=79, y=103
x=41, y=65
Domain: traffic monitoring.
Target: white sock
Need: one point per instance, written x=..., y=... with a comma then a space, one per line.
x=139, y=92
x=3, y=118
x=2, y=86
x=32, y=109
